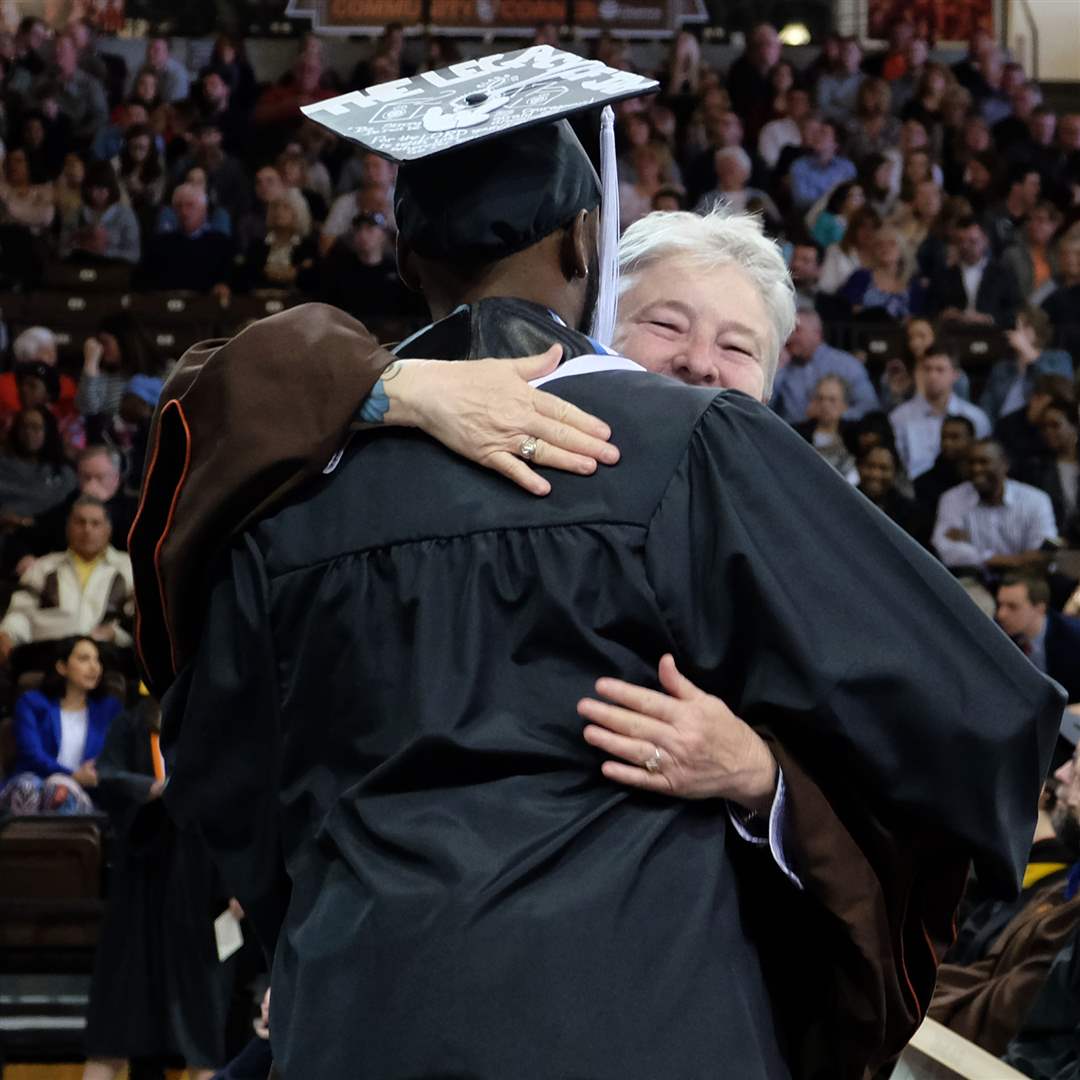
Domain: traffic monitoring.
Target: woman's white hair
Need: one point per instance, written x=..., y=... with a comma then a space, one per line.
x=28, y=345
x=722, y=237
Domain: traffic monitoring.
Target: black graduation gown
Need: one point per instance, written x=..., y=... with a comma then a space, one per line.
x=158, y=989
x=387, y=677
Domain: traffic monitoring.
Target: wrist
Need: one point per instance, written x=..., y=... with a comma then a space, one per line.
x=759, y=790
x=404, y=389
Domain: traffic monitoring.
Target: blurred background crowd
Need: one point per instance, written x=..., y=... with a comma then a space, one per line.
x=927, y=200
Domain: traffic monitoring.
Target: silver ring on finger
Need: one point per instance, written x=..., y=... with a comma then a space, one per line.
x=652, y=764
x=528, y=447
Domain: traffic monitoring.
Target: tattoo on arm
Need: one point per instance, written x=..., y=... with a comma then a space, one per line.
x=377, y=403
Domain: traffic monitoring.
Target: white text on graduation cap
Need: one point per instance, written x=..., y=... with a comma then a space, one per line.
x=592, y=74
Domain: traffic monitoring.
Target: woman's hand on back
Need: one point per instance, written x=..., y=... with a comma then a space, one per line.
x=485, y=410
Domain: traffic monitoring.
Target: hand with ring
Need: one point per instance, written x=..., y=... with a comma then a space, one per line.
x=684, y=742
x=486, y=411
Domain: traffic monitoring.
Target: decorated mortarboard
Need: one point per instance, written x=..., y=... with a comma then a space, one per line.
x=489, y=165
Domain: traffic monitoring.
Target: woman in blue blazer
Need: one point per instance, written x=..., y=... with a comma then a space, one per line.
x=59, y=732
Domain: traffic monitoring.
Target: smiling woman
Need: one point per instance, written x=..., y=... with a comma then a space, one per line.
x=706, y=299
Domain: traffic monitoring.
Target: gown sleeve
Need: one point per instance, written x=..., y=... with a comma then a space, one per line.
x=913, y=735
x=240, y=424
x=221, y=738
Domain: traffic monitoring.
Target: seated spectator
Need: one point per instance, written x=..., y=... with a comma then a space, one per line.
x=110, y=139
x=873, y=129
x=195, y=256
x=977, y=182
x=1063, y=304
x=1010, y=382
x=652, y=171
x=950, y=466
x=277, y=110
x=98, y=472
x=80, y=97
x=733, y=168
x=34, y=474
x=785, y=130
x=851, y=252
x=140, y=170
x=878, y=175
x=217, y=217
x=45, y=139
x=374, y=194
x=748, y=77
x=918, y=422
x=818, y=172
x=1031, y=257
x=884, y=286
x=23, y=203
x=669, y=198
x=36, y=344
x=809, y=360
x=979, y=289
x=1018, y=432
x=360, y=277
x=969, y=138
x=313, y=143
x=67, y=191
x=173, y=80
x=293, y=167
x=877, y=470
x=212, y=98
x=824, y=430
x=117, y=351
x=990, y=523
x=987, y=988
x=771, y=105
x=898, y=380
x=362, y=168
x=146, y=91
x=59, y=732
x=287, y=250
x=1057, y=471
x=927, y=102
x=1025, y=98
x=252, y=226
x=36, y=384
x=841, y=205
x=229, y=59
x=1005, y=221
x=86, y=589
x=837, y=90
x=227, y=182
x=137, y=405
x=106, y=229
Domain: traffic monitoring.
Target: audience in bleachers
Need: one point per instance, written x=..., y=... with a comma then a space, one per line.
x=930, y=212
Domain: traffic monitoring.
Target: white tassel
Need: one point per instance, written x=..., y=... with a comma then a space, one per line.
x=603, y=327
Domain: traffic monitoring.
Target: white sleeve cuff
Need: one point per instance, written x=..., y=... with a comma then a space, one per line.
x=751, y=827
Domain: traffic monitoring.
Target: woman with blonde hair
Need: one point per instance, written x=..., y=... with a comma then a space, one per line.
x=277, y=260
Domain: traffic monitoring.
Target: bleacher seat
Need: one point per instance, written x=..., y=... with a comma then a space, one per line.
x=176, y=320
x=71, y=277
x=50, y=884
x=72, y=317
x=242, y=309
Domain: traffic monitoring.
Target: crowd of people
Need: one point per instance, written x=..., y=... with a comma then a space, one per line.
x=934, y=204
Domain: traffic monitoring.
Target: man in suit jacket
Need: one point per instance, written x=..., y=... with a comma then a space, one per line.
x=1050, y=640
x=980, y=288
x=444, y=762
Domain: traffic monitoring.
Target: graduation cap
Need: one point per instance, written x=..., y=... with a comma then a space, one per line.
x=489, y=164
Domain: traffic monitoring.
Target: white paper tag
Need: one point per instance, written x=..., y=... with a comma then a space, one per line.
x=227, y=934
